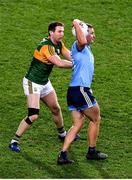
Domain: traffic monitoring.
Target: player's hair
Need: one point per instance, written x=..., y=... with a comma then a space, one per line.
x=52, y=26
x=89, y=25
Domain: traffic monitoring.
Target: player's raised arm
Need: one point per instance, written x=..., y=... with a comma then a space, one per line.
x=79, y=33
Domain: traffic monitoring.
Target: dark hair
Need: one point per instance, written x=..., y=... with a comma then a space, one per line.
x=89, y=25
x=52, y=26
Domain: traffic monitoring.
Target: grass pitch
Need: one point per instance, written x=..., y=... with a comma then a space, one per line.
x=23, y=24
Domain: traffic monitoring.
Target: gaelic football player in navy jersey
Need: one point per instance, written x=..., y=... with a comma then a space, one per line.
x=80, y=99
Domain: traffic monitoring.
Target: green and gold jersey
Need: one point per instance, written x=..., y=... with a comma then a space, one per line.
x=41, y=67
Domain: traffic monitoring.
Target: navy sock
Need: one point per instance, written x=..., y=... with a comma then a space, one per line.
x=61, y=130
x=91, y=150
x=64, y=154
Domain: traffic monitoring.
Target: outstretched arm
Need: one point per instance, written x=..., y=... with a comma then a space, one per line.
x=62, y=63
x=66, y=54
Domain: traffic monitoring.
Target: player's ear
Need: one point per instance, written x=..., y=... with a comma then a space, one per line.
x=51, y=32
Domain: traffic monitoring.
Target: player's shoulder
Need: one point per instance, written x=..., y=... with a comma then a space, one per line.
x=74, y=45
x=76, y=48
x=62, y=43
x=46, y=41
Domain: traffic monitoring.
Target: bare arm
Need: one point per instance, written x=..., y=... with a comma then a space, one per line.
x=67, y=54
x=62, y=63
x=81, y=39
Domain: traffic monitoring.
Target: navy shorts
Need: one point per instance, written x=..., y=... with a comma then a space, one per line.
x=80, y=98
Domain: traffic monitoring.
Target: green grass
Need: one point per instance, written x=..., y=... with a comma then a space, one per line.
x=23, y=24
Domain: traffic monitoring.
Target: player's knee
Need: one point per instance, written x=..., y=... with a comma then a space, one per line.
x=33, y=114
x=34, y=117
x=96, y=119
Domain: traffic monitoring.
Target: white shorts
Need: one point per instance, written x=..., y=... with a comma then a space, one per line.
x=33, y=88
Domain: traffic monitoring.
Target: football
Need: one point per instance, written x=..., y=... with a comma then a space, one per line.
x=83, y=26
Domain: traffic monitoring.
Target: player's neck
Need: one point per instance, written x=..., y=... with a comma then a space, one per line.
x=53, y=41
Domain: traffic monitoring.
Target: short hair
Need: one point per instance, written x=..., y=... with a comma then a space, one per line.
x=89, y=25
x=52, y=26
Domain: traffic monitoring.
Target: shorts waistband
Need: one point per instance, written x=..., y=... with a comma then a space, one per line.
x=78, y=87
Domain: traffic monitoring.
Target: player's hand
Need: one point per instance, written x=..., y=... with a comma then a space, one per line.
x=76, y=22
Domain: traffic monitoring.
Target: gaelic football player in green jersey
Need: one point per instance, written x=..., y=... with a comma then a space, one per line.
x=36, y=83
